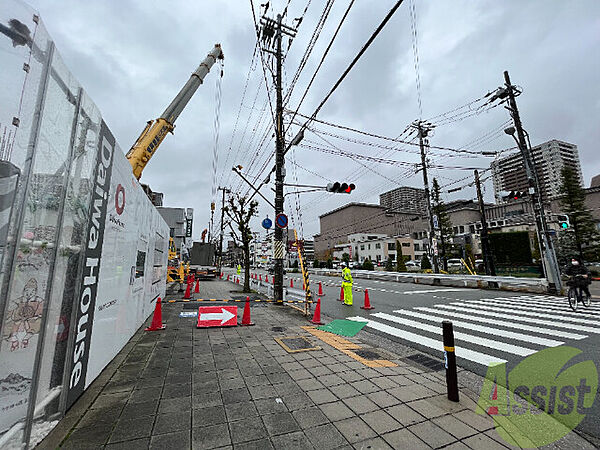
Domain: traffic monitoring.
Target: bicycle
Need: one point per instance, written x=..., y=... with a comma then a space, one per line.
x=575, y=293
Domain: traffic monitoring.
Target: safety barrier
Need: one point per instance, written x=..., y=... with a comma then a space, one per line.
x=231, y=300
x=538, y=285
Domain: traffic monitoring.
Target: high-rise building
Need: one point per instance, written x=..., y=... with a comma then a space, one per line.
x=404, y=198
x=550, y=157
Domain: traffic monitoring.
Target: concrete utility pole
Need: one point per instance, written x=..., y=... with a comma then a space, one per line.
x=423, y=131
x=276, y=30
x=552, y=271
x=488, y=260
x=220, y=262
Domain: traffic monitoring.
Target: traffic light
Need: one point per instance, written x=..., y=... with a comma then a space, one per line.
x=340, y=188
x=563, y=221
x=513, y=195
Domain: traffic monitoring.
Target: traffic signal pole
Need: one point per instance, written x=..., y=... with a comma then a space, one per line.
x=552, y=271
x=422, y=134
x=488, y=260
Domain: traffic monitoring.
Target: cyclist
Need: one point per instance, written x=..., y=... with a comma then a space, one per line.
x=575, y=268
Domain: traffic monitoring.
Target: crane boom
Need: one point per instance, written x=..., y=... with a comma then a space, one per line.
x=155, y=131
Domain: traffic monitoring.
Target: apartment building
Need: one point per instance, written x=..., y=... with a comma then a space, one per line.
x=550, y=158
x=404, y=198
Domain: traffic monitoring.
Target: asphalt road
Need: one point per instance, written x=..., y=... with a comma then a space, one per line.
x=489, y=326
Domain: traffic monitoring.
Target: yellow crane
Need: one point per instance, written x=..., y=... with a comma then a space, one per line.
x=156, y=130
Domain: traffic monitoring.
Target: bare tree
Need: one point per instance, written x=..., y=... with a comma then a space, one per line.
x=241, y=211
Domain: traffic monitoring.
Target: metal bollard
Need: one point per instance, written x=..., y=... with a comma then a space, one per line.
x=450, y=361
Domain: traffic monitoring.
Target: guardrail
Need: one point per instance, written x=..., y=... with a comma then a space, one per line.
x=538, y=285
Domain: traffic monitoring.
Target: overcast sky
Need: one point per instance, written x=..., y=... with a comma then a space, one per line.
x=132, y=57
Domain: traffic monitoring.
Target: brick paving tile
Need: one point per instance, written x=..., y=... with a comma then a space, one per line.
x=233, y=383
x=431, y=434
x=455, y=427
x=404, y=439
x=354, y=429
x=261, y=444
x=344, y=391
x=206, y=399
x=427, y=409
x=177, y=390
x=99, y=417
x=383, y=382
x=480, y=423
x=364, y=386
x=92, y=435
x=212, y=415
x=310, y=417
x=383, y=399
x=247, y=430
x=131, y=429
x=280, y=423
x=136, y=444
x=331, y=380
x=321, y=396
x=242, y=410
x=131, y=411
x=111, y=400
x=279, y=378
x=456, y=446
x=235, y=395
x=300, y=374
x=310, y=363
x=405, y=415
x=368, y=373
x=375, y=443
x=292, y=441
x=351, y=376
x=411, y=392
x=210, y=437
x=319, y=371
x=381, y=422
x=360, y=404
x=170, y=441
x=337, y=367
x=482, y=442
x=297, y=401
x=270, y=406
x=336, y=411
x=258, y=392
x=326, y=437
x=401, y=380
x=309, y=384
x=255, y=380
x=167, y=423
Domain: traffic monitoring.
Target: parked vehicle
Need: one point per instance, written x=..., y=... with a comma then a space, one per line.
x=412, y=266
x=454, y=263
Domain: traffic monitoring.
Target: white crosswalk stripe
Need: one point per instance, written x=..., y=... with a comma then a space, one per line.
x=491, y=329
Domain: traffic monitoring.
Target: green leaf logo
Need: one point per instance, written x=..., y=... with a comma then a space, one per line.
x=547, y=398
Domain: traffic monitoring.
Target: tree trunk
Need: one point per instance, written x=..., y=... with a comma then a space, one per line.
x=246, y=266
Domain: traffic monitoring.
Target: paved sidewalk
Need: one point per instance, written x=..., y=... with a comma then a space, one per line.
x=238, y=388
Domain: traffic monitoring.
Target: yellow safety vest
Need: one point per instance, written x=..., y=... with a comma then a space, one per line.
x=346, y=276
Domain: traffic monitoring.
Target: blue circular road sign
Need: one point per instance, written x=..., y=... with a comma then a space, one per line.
x=281, y=220
x=267, y=223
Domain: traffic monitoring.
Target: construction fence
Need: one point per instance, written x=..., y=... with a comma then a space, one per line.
x=83, y=252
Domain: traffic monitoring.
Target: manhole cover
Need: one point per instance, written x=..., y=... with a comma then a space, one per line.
x=368, y=354
x=296, y=344
x=278, y=329
x=426, y=361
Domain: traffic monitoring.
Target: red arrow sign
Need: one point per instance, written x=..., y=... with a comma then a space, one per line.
x=217, y=316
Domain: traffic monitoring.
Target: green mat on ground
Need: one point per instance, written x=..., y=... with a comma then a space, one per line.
x=343, y=327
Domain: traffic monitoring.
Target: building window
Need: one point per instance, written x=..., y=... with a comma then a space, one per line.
x=369, y=246
x=406, y=244
x=139, y=264
x=416, y=247
x=391, y=246
x=472, y=228
x=378, y=245
x=362, y=247
x=461, y=228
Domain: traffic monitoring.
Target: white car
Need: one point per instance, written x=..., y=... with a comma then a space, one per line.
x=412, y=266
x=454, y=263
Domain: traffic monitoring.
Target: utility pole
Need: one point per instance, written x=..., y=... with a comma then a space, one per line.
x=275, y=30
x=423, y=131
x=220, y=261
x=488, y=260
x=552, y=271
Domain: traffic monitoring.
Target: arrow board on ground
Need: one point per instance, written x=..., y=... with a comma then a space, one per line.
x=217, y=316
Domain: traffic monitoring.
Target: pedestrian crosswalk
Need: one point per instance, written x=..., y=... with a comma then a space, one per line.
x=491, y=330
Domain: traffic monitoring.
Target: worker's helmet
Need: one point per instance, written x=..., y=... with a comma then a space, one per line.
x=344, y=264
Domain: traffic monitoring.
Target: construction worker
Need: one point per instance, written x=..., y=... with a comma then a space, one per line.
x=347, y=284
x=239, y=269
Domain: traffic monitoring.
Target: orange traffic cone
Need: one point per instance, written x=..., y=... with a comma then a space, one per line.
x=320, y=289
x=317, y=317
x=227, y=277
x=266, y=278
x=237, y=280
x=291, y=282
x=197, y=288
x=367, y=304
x=342, y=294
x=246, y=317
x=157, y=318
x=188, y=291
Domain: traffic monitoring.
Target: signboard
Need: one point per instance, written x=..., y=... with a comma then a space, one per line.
x=188, y=227
x=267, y=223
x=217, y=316
x=281, y=220
x=435, y=222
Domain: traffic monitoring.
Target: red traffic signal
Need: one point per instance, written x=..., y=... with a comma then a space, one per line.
x=340, y=188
